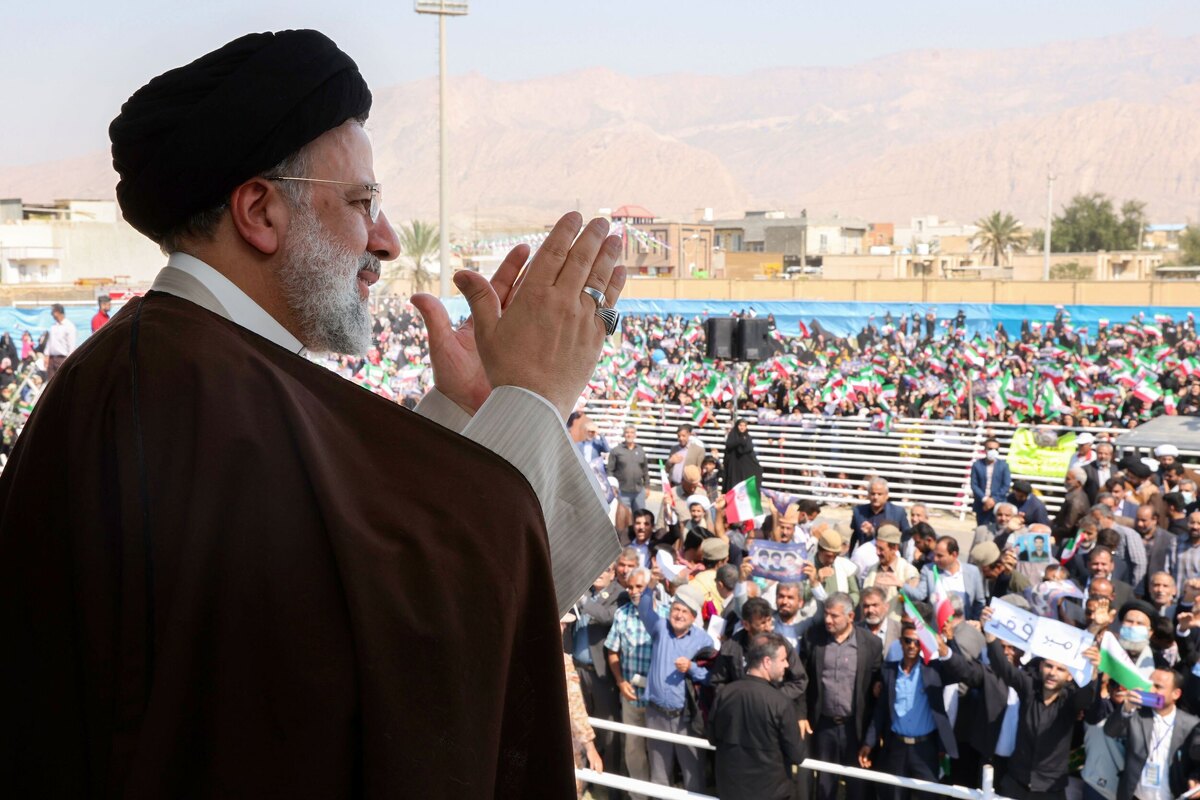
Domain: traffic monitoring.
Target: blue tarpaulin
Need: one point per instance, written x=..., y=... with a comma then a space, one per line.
x=842, y=319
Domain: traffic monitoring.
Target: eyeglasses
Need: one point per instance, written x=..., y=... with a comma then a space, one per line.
x=376, y=190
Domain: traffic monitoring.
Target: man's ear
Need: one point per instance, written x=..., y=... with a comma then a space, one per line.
x=259, y=214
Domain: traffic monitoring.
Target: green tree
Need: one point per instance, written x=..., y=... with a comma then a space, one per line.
x=1070, y=271
x=1189, y=246
x=998, y=234
x=418, y=243
x=1090, y=222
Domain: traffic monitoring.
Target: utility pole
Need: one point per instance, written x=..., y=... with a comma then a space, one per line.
x=1049, y=223
x=443, y=9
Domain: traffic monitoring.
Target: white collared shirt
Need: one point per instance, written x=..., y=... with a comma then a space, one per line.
x=1158, y=758
x=516, y=424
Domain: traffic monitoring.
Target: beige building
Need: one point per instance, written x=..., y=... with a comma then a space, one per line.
x=72, y=242
x=660, y=249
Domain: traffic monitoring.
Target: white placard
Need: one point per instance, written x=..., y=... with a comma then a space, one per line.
x=1011, y=624
x=716, y=627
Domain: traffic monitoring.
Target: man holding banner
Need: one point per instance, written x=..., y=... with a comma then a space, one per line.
x=1050, y=705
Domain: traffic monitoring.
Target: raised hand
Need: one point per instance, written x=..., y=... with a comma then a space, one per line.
x=548, y=339
x=457, y=371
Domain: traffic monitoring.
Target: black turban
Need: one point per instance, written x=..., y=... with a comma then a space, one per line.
x=186, y=139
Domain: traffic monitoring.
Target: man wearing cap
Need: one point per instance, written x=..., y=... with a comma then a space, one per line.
x=1083, y=454
x=890, y=572
x=1030, y=507
x=714, y=553
x=990, y=482
x=689, y=486
x=60, y=341
x=675, y=641
x=246, y=559
x=829, y=572
x=999, y=575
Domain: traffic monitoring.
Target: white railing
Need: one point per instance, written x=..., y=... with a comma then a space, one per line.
x=986, y=792
x=924, y=461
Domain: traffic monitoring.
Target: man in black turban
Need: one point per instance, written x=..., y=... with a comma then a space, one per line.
x=265, y=581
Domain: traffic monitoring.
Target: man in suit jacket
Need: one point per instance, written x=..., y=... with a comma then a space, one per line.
x=956, y=576
x=910, y=722
x=1161, y=745
x=1160, y=543
x=1074, y=507
x=866, y=518
x=754, y=728
x=842, y=662
x=990, y=482
x=1099, y=471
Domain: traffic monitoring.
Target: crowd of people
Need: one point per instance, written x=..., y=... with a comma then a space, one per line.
x=883, y=653
x=921, y=366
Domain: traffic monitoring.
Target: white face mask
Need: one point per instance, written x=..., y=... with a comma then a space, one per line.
x=991, y=455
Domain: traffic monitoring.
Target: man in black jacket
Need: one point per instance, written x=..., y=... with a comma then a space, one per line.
x=843, y=663
x=732, y=662
x=755, y=728
x=1050, y=707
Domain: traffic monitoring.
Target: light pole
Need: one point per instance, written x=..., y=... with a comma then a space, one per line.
x=443, y=9
x=1049, y=223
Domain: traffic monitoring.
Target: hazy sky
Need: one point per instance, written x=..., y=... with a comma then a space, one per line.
x=66, y=66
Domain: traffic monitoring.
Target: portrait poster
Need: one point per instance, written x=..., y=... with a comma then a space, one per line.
x=777, y=561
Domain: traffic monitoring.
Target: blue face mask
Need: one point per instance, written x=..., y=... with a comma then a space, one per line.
x=1135, y=634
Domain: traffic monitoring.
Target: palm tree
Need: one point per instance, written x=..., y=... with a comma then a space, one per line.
x=997, y=234
x=418, y=242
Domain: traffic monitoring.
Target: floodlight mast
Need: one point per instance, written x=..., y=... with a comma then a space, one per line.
x=443, y=9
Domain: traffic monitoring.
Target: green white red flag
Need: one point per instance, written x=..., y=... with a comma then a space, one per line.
x=743, y=502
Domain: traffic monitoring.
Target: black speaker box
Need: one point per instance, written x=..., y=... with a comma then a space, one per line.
x=753, y=340
x=719, y=334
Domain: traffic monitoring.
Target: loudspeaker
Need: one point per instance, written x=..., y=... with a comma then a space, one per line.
x=753, y=340
x=719, y=333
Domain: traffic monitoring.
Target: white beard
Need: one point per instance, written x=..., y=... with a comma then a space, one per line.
x=319, y=279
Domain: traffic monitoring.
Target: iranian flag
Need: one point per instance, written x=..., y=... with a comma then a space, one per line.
x=1068, y=550
x=700, y=414
x=1147, y=393
x=644, y=391
x=1169, y=403
x=665, y=479
x=939, y=598
x=924, y=635
x=743, y=502
x=1116, y=664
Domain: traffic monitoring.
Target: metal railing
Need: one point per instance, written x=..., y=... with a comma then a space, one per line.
x=924, y=461
x=985, y=792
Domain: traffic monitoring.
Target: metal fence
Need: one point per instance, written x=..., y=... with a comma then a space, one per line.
x=826, y=458
x=986, y=792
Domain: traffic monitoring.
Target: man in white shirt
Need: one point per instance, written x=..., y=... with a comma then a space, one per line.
x=60, y=342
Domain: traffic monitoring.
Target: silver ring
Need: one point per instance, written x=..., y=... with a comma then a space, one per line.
x=596, y=295
x=611, y=318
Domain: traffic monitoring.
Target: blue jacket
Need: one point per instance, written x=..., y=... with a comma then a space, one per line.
x=1034, y=510
x=1001, y=482
x=972, y=581
x=891, y=513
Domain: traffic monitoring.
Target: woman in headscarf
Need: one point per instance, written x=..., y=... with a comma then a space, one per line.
x=740, y=460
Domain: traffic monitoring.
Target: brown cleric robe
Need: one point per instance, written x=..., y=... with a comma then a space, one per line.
x=225, y=571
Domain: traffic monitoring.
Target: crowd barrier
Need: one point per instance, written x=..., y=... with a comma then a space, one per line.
x=923, y=461
x=649, y=789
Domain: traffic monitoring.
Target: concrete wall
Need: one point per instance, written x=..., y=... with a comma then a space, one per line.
x=1121, y=293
